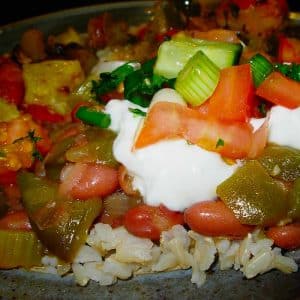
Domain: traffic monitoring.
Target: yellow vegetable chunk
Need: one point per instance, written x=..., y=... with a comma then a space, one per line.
x=52, y=82
x=19, y=249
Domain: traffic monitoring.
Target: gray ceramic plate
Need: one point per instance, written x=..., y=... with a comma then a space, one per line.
x=19, y=284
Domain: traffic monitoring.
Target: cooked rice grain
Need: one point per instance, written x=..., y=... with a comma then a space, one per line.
x=112, y=254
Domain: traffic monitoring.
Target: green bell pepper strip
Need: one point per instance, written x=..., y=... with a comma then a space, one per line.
x=254, y=197
x=281, y=162
x=61, y=224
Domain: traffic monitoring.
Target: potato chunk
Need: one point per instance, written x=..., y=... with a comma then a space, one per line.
x=51, y=83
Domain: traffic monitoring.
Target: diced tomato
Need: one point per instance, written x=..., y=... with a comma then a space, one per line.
x=167, y=120
x=11, y=82
x=289, y=50
x=214, y=218
x=280, y=90
x=17, y=220
x=41, y=113
x=142, y=32
x=149, y=221
x=287, y=237
x=111, y=95
x=7, y=177
x=113, y=221
x=83, y=181
x=233, y=98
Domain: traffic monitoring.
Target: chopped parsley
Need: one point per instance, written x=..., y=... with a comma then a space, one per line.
x=34, y=139
x=109, y=81
x=139, y=85
x=290, y=70
x=2, y=154
x=220, y=143
x=137, y=112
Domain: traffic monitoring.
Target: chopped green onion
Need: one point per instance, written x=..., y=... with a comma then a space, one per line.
x=261, y=68
x=91, y=116
x=198, y=79
x=290, y=70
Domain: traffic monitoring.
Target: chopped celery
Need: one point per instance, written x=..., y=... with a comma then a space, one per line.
x=260, y=68
x=197, y=81
x=19, y=249
x=174, y=54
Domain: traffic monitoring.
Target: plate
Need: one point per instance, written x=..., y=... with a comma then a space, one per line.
x=171, y=285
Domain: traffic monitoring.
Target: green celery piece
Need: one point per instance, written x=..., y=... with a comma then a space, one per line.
x=198, y=79
x=19, y=249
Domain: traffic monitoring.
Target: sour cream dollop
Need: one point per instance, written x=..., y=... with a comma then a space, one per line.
x=284, y=126
x=172, y=173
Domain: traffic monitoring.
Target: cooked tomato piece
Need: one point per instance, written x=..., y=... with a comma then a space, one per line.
x=287, y=237
x=83, y=181
x=11, y=82
x=214, y=218
x=97, y=31
x=149, y=221
x=233, y=98
x=167, y=120
x=17, y=220
x=289, y=50
x=280, y=90
x=42, y=113
x=7, y=177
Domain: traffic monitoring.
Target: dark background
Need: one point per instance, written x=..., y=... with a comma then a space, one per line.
x=18, y=10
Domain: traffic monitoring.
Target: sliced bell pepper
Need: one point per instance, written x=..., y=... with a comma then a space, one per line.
x=61, y=224
x=254, y=197
x=41, y=113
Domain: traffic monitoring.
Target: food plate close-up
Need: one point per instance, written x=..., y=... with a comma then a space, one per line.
x=187, y=189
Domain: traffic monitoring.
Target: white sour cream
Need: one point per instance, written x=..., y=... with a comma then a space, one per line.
x=172, y=173
x=284, y=126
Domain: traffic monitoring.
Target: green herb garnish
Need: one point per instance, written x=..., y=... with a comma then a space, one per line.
x=290, y=70
x=110, y=81
x=137, y=112
x=34, y=139
x=220, y=143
